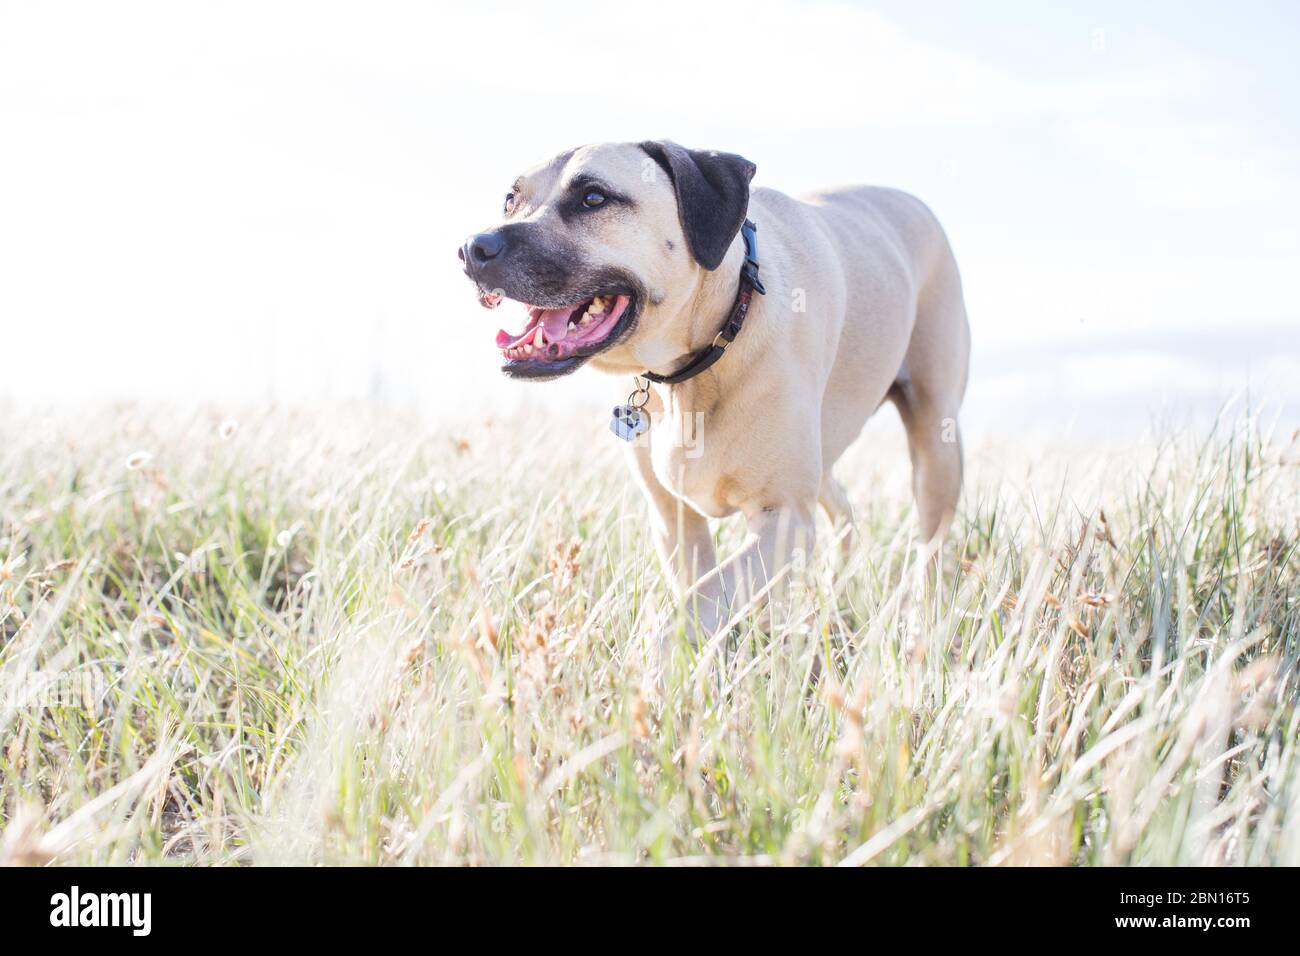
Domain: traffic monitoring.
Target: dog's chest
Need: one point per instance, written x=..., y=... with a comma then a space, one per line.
x=690, y=466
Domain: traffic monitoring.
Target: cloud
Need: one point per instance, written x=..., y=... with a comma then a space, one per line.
x=1185, y=166
x=796, y=66
x=1124, y=392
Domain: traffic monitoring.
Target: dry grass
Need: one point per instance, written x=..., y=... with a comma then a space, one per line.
x=380, y=641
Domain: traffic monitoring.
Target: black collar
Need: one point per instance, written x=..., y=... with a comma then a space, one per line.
x=749, y=284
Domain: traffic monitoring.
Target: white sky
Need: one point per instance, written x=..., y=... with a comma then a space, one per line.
x=242, y=201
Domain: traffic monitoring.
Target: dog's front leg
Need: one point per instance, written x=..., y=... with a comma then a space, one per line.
x=685, y=547
x=779, y=533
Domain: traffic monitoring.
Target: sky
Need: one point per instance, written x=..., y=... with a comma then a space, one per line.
x=249, y=202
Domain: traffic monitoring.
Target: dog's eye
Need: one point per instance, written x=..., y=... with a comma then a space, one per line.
x=510, y=203
x=593, y=198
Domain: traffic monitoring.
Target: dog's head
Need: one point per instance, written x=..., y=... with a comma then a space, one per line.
x=606, y=246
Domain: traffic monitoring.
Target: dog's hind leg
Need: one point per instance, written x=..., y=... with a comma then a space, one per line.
x=928, y=394
x=934, y=441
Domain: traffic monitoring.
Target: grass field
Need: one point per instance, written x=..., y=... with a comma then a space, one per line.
x=368, y=639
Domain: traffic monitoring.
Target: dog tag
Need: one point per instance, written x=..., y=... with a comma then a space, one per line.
x=628, y=422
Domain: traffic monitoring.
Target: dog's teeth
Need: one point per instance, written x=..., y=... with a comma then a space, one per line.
x=528, y=349
x=572, y=325
x=538, y=338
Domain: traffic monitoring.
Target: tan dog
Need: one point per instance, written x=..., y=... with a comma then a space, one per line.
x=629, y=257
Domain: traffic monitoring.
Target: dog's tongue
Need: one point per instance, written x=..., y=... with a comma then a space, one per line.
x=554, y=323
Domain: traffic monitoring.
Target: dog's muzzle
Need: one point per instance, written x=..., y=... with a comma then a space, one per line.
x=565, y=325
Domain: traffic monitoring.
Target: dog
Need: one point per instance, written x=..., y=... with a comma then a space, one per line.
x=634, y=258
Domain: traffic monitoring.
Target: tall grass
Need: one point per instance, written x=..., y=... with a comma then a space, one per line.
x=372, y=640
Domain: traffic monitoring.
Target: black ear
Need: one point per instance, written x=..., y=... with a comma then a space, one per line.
x=712, y=195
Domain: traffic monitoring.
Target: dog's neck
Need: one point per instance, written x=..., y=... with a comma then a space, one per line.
x=705, y=315
x=715, y=298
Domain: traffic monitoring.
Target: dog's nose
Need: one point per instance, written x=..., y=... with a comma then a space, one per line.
x=482, y=248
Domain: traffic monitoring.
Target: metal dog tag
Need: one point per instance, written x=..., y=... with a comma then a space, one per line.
x=628, y=422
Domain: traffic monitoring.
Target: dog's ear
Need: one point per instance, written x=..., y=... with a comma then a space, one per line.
x=712, y=195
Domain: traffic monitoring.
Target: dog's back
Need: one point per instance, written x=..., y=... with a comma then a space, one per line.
x=887, y=281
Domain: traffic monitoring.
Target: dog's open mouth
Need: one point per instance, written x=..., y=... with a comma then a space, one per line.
x=556, y=341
